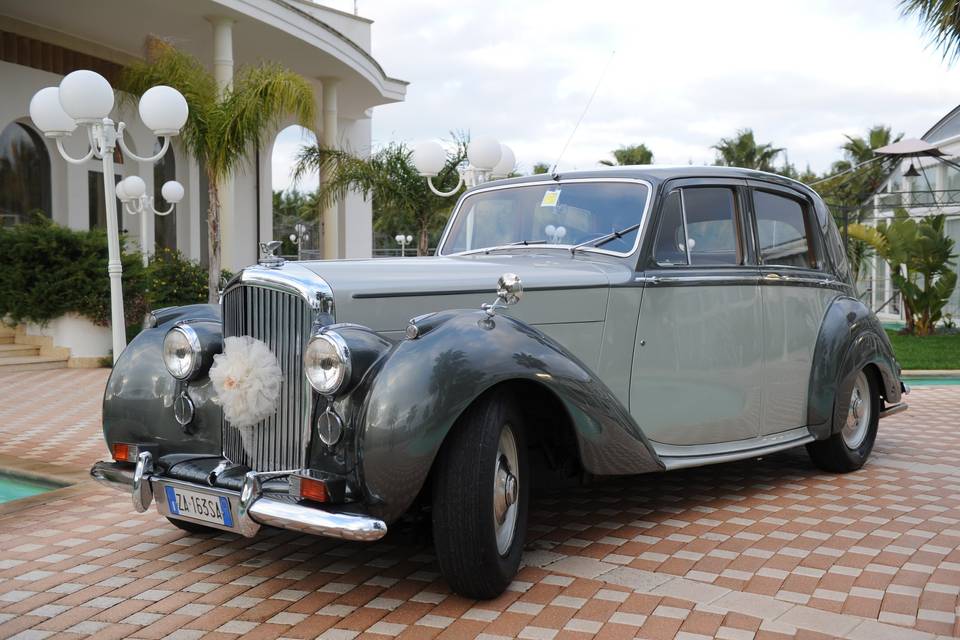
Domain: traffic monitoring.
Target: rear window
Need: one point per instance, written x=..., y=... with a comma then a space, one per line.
x=783, y=231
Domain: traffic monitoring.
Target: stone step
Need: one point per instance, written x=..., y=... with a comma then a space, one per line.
x=12, y=350
x=31, y=363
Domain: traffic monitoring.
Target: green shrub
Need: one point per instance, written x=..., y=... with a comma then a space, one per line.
x=47, y=270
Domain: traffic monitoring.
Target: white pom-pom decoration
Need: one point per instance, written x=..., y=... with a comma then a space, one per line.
x=247, y=380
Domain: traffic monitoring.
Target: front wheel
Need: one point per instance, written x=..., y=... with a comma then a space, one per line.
x=855, y=429
x=480, y=499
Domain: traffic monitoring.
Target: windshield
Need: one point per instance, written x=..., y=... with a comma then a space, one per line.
x=559, y=214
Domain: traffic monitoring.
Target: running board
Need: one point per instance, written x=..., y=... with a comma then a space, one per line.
x=684, y=462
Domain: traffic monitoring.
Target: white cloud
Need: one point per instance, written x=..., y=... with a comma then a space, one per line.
x=684, y=74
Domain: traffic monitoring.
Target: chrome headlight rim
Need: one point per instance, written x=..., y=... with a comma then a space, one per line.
x=196, y=351
x=342, y=351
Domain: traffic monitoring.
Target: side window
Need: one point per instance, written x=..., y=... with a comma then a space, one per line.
x=783, y=231
x=670, y=247
x=710, y=217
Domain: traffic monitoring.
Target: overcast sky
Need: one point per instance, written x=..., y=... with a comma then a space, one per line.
x=684, y=74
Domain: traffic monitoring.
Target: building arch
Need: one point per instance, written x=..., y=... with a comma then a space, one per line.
x=25, y=181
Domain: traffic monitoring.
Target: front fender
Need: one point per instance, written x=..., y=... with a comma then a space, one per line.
x=420, y=389
x=850, y=338
x=138, y=399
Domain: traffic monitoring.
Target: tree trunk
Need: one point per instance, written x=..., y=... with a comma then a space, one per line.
x=423, y=241
x=213, y=237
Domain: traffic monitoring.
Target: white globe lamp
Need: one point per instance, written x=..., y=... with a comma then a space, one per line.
x=134, y=187
x=484, y=153
x=86, y=96
x=429, y=158
x=164, y=110
x=172, y=191
x=121, y=192
x=48, y=114
x=507, y=162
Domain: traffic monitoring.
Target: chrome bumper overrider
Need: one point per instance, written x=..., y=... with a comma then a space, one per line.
x=252, y=509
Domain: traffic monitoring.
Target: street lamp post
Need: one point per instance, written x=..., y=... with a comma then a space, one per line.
x=131, y=191
x=403, y=241
x=488, y=160
x=298, y=237
x=86, y=98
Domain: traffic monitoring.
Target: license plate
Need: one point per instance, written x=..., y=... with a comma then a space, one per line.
x=198, y=506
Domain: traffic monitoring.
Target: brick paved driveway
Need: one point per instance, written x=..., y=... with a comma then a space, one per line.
x=765, y=549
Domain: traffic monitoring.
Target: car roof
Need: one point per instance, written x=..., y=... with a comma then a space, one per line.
x=659, y=173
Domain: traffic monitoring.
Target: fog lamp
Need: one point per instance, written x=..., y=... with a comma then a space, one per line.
x=181, y=351
x=326, y=362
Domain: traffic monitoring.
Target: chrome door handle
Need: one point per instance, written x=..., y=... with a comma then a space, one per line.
x=775, y=277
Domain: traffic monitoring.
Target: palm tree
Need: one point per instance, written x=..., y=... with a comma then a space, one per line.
x=223, y=126
x=859, y=149
x=401, y=197
x=940, y=19
x=742, y=150
x=540, y=167
x=631, y=154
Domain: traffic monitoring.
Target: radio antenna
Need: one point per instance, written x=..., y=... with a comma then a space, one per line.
x=553, y=171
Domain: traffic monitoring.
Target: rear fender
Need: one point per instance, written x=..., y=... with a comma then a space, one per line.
x=421, y=388
x=850, y=339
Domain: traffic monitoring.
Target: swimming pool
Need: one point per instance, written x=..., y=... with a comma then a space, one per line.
x=933, y=381
x=13, y=488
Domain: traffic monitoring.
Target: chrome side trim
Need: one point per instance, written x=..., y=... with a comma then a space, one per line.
x=682, y=457
x=893, y=409
x=644, y=217
x=112, y=474
x=691, y=281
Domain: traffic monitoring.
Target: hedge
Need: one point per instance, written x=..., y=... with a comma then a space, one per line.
x=47, y=271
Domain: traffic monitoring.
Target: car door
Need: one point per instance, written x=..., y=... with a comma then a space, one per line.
x=697, y=368
x=796, y=289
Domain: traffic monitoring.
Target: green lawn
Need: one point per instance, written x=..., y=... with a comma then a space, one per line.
x=932, y=352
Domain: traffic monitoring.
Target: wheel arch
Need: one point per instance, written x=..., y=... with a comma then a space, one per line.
x=851, y=338
x=457, y=363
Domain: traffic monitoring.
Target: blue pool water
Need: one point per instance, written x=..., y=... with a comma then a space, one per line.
x=933, y=381
x=12, y=488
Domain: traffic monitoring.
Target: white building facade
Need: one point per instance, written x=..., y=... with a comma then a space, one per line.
x=43, y=40
x=935, y=190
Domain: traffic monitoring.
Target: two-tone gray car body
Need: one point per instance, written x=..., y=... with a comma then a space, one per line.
x=619, y=361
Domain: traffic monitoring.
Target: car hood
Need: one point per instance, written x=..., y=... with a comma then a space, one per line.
x=384, y=294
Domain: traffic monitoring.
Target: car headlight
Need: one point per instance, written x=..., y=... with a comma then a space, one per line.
x=182, y=353
x=326, y=362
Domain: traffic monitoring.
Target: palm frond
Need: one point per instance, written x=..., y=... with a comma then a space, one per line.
x=940, y=19
x=261, y=96
x=166, y=65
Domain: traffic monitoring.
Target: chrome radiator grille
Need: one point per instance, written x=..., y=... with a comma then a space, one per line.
x=283, y=321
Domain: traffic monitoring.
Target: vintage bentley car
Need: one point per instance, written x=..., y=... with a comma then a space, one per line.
x=670, y=317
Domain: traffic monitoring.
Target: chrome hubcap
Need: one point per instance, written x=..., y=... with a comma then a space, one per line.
x=858, y=415
x=506, y=490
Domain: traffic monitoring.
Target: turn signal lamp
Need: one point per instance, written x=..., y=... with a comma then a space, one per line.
x=123, y=452
x=309, y=488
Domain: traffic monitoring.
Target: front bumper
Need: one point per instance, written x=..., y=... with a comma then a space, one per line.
x=252, y=508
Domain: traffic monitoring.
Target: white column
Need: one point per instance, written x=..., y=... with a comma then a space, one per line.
x=329, y=139
x=223, y=72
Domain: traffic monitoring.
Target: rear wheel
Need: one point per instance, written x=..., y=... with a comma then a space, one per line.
x=855, y=430
x=480, y=499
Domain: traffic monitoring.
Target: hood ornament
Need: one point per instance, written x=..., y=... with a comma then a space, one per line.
x=509, y=292
x=268, y=254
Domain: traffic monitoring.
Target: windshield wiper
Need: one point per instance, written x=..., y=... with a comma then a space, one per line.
x=525, y=242
x=602, y=240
